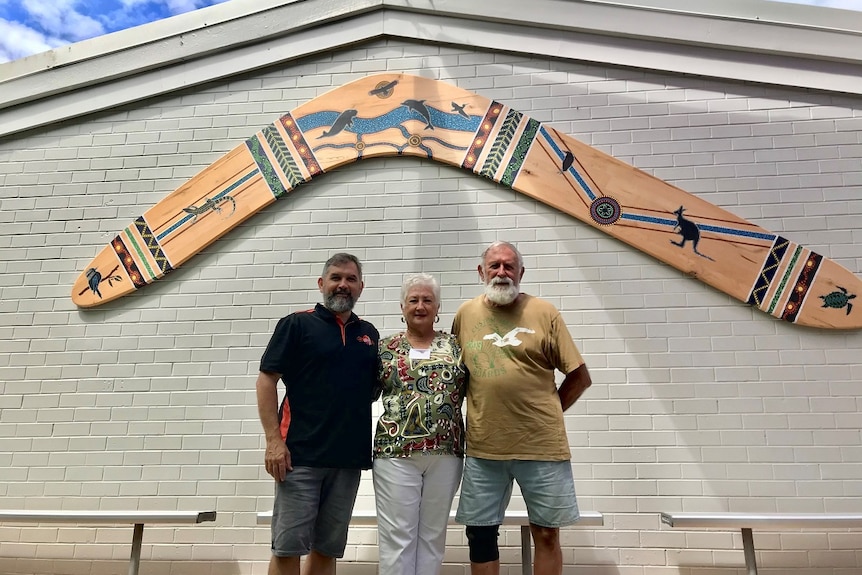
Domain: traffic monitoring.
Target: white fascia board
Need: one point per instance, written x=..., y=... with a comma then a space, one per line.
x=774, y=11
x=154, y=32
x=226, y=50
x=165, y=50
x=665, y=57
x=664, y=21
x=185, y=37
x=160, y=81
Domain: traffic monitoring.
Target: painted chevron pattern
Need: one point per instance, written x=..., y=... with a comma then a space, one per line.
x=767, y=274
x=501, y=144
x=153, y=245
x=285, y=159
x=142, y=258
x=519, y=153
x=266, y=168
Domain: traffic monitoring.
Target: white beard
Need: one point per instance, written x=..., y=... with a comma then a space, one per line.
x=501, y=291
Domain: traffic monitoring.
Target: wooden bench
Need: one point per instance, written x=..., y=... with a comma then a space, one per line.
x=369, y=518
x=770, y=521
x=136, y=518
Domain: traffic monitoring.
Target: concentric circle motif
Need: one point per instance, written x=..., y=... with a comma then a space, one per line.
x=415, y=140
x=360, y=145
x=605, y=210
x=382, y=93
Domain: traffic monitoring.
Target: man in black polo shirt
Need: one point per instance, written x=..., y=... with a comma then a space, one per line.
x=319, y=439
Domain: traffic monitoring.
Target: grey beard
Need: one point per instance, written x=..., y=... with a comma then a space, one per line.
x=499, y=296
x=339, y=303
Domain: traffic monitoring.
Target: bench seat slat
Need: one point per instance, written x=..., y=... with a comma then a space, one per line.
x=764, y=520
x=104, y=517
x=109, y=517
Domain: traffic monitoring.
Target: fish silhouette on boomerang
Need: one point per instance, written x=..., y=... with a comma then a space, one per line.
x=402, y=115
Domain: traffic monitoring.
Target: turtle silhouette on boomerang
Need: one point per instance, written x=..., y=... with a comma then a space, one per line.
x=396, y=115
x=838, y=299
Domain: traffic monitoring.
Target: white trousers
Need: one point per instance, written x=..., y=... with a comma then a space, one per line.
x=414, y=496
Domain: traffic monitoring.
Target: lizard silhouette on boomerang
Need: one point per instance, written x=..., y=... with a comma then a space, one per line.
x=403, y=115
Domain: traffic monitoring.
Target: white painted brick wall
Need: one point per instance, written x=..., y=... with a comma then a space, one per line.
x=699, y=402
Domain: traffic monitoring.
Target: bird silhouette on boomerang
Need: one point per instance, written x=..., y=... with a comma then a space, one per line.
x=402, y=115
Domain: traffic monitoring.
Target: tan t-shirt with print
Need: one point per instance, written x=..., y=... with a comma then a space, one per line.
x=513, y=410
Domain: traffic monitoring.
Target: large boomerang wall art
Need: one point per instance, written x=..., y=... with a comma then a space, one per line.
x=402, y=115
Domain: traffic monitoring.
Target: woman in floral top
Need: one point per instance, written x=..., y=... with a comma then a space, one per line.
x=419, y=442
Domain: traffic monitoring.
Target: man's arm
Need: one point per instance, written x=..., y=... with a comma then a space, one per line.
x=277, y=458
x=575, y=384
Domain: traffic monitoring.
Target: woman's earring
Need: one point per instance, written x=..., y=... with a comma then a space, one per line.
x=436, y=319
x=402, y=319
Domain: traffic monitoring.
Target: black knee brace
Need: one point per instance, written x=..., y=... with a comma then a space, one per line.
x=483, y=543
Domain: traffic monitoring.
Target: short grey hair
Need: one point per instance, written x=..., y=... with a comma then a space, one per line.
x=420, y=279
x=341, y=259
x=500, y=243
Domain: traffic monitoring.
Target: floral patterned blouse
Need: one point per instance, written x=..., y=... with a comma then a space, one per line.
x=421, y=398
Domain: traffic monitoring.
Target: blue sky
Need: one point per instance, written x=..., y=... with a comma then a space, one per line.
x=31, y=26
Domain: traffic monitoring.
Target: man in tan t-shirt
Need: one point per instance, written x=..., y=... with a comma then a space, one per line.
x=513, y=345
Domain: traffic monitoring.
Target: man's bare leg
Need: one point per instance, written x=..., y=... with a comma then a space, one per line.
x=549, y=556
x=489, y=568
x=317, y=564
x=283, y=566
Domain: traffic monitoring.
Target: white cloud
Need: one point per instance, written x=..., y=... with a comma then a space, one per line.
x=136, y=12
x=62, y=18
x=181, y=6
x=46, y=24
x=172, y=7
x=18, y=41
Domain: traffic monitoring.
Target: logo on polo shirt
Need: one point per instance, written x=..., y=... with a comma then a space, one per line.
x=510, y=338
x=365, y=339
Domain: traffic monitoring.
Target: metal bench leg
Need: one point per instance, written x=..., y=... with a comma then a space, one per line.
x=748, y=549
x=526, y=551
x=137, y=539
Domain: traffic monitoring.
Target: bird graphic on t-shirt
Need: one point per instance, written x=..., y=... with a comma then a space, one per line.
x=510, y=338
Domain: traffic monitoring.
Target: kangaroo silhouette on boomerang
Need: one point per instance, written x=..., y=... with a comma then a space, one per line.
x=402, y=115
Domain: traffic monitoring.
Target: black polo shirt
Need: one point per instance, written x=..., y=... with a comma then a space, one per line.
x=329, y=370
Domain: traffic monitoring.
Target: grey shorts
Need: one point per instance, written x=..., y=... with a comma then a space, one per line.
x=547, y=486
x=312, y=510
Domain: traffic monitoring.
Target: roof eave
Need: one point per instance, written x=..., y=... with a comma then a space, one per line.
x=202, y=47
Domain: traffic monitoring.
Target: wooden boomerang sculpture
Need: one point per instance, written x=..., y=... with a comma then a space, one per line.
x=401, y=115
